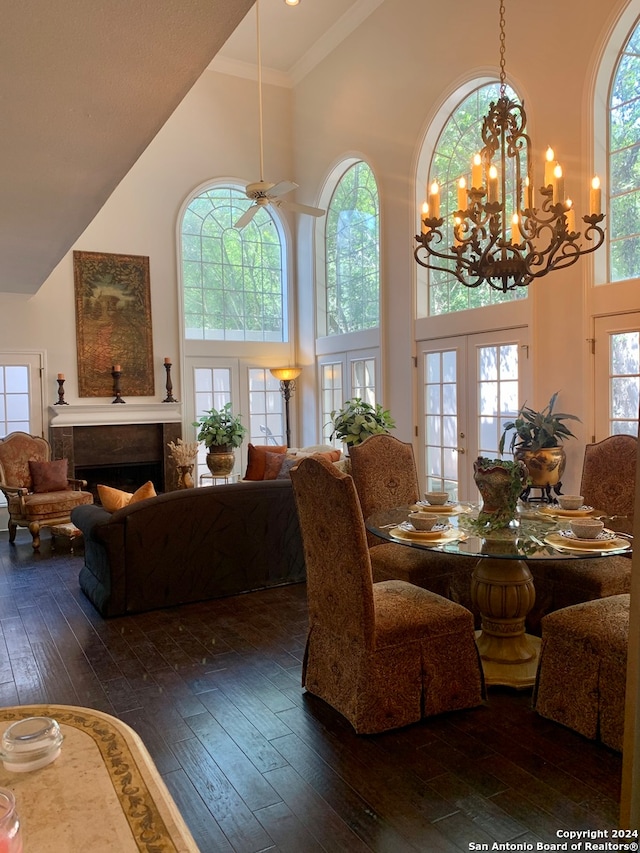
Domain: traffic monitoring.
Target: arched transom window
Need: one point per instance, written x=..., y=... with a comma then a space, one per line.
x=233, y=280
x=624, y=163
x=459, y=140
x=353, y=253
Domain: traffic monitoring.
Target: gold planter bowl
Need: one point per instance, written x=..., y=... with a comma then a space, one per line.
x=545, y=466
x=220, y=460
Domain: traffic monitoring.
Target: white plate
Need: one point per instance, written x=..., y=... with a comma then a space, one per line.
x=585, y=545
x=444, y=536
x=582, y=512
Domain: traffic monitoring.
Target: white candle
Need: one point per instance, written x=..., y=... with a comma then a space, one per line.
x=515, y=229
x=558, y=184
x=462, y=194
x=425, y=215
x=434, y=201
x=571, y=216
x=529, y=192
x=476, y=172
x=456, y=224
x=549, y=166
x=493, y=183
x=595, y=197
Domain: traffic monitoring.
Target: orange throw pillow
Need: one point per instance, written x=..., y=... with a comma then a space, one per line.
x=329, y=455
x=257, y=459
x=115, y=499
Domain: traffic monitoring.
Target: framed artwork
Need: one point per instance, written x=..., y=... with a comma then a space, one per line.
x=113, y=324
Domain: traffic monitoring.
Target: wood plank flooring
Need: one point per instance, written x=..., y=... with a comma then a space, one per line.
x=254, y=763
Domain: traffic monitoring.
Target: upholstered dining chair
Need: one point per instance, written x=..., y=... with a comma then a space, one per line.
x=608, y=484
x=385, y=476
x=386, y=654
x=38, y=491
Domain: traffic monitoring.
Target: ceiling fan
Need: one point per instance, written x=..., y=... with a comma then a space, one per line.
x=263, y=193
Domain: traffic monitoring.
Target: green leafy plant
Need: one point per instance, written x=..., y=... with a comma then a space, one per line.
x=500, y=492
x=357, y=420
x=220, y=428
x=537, y=430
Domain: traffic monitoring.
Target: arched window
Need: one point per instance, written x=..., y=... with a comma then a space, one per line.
x=459, y=140
x=624, y=163
x=353, y=253
x=233, y=280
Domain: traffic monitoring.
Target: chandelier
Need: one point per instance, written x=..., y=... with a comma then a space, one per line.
x=499, y=236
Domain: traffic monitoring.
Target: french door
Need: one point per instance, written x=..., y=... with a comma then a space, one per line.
x=469, y=386
x=617, y=375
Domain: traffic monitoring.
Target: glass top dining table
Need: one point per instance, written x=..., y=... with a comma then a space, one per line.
x=502, y=587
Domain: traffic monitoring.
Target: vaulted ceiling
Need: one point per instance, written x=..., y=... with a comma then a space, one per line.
x=84, y=88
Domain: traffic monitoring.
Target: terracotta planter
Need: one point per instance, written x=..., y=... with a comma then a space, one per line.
x=220, y=460
x=545, y=466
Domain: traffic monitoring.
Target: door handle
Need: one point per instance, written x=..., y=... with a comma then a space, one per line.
x=461, y=450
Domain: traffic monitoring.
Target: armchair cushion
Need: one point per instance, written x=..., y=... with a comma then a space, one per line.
x=49, y=476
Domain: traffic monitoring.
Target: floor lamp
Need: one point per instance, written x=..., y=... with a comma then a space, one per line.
x=287, y=377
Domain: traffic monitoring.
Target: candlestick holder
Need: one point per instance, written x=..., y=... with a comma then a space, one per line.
x=116, y=374
x=60, y=401
x=169, y=386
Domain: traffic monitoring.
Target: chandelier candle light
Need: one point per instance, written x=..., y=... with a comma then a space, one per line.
x=499, y=236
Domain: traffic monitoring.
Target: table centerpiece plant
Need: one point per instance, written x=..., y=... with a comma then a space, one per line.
x=357, y=420
x=537, y=441
x=222, y=432
x=500, y=483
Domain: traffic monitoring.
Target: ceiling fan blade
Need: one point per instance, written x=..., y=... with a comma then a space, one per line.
x=302, y=208
x=246, y=217
x=281, y=188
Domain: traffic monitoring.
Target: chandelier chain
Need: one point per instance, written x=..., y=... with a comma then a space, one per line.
x=503, y=74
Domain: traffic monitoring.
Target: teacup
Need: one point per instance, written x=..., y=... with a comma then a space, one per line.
x=423, y=520
x=437, y=498
x=587, y=528
x=570, y=501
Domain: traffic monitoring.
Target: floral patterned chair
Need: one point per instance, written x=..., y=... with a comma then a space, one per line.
x=582, y=668
x=385, y=476
x=608, y=483
x=38, y=491
x=386, y=654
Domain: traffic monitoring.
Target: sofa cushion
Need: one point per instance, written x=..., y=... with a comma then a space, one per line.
x=115, y=499
x=49, y=476
x=257, y=459
x=273, y=464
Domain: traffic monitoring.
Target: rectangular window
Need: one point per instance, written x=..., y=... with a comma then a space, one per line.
x=266, y=420
x=332, y=397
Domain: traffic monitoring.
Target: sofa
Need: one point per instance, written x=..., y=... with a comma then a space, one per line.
x=190, y=545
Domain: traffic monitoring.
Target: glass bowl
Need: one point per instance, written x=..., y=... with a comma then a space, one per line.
x=30, y=744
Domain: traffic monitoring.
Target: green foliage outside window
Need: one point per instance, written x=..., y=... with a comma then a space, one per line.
x=624, y=164
x=353, y=253
x=233, y=285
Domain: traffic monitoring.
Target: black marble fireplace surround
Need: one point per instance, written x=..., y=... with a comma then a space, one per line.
x=124, y=456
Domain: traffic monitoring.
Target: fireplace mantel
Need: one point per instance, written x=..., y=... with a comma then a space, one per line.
x=101, y=414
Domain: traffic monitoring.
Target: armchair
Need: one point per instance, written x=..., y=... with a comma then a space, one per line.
x=45, y=502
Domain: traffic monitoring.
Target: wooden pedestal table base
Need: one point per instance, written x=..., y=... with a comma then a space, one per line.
x=504, y=593
x=103, y=794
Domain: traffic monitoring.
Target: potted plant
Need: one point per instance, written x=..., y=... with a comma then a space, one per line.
x=357, y=420
x=500, y=482
x=537, y=441
x=221, y=432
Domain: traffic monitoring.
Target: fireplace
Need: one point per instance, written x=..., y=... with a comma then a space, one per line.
x=123, y=455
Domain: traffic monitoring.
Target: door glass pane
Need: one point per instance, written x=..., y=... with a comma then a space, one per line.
x=266, y=420
x=624, y=382
x=497, y=394
x=441, y=422
x=14, y=399
x=363, y=379
x=212, y=391
x=332, y=398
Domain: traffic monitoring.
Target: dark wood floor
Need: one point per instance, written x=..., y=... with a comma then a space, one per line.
x=256, y=764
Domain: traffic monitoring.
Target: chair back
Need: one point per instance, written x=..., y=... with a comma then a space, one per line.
x=609, y=474
x=339, y=581
x=384, y=472
x=16, y=451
